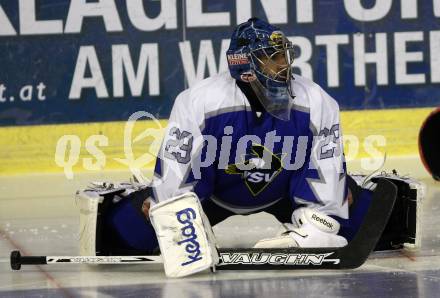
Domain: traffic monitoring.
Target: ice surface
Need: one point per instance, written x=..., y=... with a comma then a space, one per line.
x=48, y=226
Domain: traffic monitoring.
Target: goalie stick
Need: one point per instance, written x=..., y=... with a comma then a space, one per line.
x=350, y=256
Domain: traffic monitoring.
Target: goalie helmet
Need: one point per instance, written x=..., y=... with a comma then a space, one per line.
x=261, y=55
x=429, y=147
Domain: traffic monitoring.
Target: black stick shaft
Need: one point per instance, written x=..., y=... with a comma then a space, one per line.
x=29, y=260
x=17, y=260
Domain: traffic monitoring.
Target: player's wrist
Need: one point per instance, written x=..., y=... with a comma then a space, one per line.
x=146, y=208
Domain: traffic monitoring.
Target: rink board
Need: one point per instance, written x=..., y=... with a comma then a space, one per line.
x=31, y=149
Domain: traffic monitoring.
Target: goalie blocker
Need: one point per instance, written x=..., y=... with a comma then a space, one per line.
x=102, y=228
x=185, y=236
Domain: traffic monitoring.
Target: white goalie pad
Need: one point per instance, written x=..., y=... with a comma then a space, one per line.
x=186, y=240
x=88, y=201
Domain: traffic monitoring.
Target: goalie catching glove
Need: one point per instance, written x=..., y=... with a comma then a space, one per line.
x=310, y=228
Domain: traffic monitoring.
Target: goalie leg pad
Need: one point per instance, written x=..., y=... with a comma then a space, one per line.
x=88, y=202
x=403, y=227
x=185, y=236
x=112, y=223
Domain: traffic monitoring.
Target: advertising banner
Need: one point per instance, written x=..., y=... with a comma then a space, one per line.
x=90, y=61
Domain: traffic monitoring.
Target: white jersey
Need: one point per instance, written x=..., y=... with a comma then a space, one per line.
x=216, y=146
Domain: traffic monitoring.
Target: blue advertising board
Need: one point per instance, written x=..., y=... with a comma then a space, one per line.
x=89, y=61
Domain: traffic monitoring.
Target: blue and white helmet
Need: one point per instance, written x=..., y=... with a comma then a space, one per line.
x=261, y=55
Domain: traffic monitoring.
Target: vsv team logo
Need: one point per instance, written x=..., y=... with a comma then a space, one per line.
x=262, y=166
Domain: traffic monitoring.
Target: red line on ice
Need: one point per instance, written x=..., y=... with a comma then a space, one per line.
x=44, y=272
